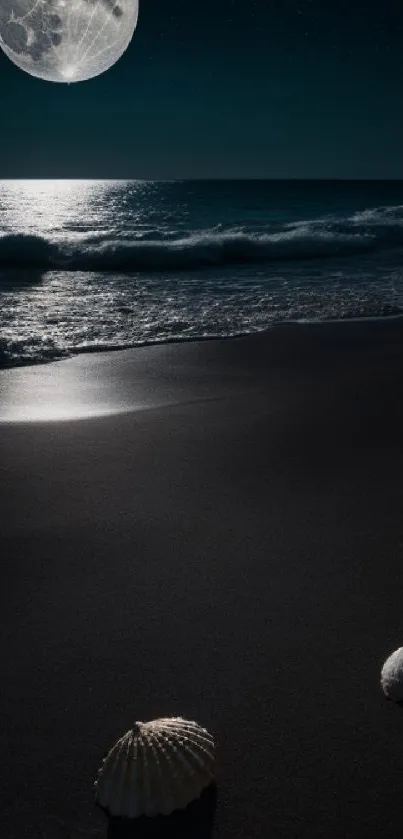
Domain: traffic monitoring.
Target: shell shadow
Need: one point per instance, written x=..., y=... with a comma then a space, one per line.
x=398, y=702
x=196, y=821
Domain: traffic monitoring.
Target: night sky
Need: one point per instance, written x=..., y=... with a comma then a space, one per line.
x=223, y=88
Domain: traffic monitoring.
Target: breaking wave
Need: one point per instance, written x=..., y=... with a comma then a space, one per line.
x=367, y=231
x=115, y=279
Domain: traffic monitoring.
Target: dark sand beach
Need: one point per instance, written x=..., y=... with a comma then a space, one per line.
x=227, y=544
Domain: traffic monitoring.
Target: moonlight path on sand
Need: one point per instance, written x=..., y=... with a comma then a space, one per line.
x=66, y=40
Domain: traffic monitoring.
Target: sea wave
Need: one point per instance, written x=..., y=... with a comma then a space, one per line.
x=370, y=230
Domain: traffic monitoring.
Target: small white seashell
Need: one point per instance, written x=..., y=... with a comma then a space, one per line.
x=392, y=676
x=155, y=768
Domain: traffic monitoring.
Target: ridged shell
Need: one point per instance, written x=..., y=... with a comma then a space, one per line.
x=155, y=768
x=392, y=676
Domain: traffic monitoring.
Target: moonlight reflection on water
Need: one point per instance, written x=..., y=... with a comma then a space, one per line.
x=66, y=40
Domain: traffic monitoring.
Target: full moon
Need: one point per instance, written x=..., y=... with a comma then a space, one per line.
x=66, y=40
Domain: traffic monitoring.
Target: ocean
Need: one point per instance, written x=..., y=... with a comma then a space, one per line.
x=97, y=265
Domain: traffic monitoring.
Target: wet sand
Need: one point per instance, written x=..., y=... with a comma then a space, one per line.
x=227, y=544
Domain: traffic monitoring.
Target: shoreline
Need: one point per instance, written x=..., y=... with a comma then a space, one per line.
x=115, y=382
x=202, y=339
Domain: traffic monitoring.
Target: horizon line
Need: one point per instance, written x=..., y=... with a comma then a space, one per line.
x=207, y=179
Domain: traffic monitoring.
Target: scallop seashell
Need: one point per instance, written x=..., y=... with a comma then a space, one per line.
x=155, y=768
x=392, y=676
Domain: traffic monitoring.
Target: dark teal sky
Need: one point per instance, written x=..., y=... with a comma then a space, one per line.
x=223, y=88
